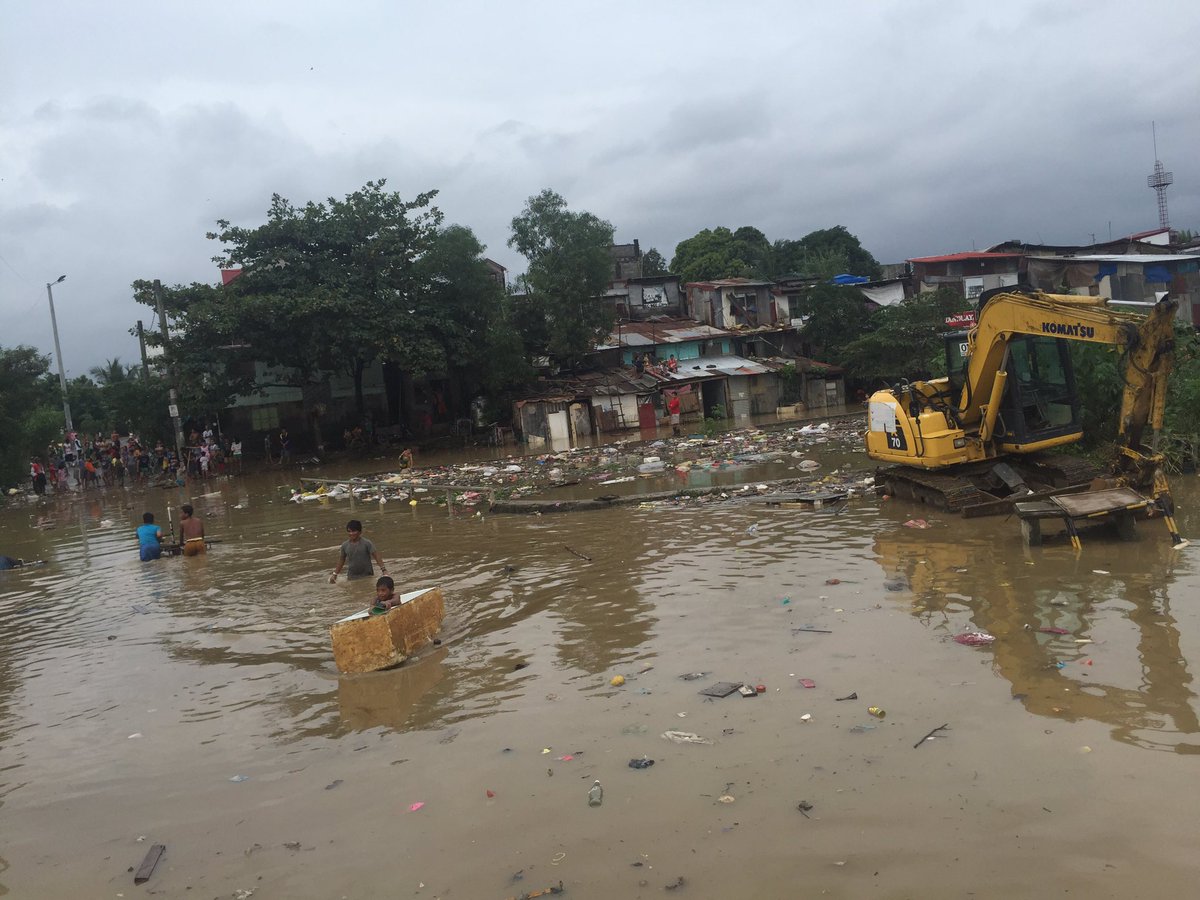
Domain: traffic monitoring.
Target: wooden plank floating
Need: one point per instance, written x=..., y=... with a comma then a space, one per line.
x=146, y=869
x=785, y=498
x=368, y=643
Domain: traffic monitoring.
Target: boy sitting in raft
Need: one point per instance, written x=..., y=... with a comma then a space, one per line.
x=385, y=595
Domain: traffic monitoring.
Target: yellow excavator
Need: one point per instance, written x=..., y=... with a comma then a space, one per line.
x=976, y=441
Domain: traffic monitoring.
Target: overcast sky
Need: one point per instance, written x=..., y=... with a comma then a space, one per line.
x=127, y=129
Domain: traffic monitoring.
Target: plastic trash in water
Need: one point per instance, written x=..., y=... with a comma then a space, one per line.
x=753, y=529
x=974, y=638
x=595, y=794
x=238, y=779
x=687, y=737
x=644, y=763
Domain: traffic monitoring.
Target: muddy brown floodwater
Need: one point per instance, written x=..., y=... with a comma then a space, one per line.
x=194, y=703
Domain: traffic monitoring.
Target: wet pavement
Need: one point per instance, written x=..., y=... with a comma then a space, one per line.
x=194, y=703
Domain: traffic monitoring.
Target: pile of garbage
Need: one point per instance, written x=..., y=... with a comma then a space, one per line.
x=517, y=477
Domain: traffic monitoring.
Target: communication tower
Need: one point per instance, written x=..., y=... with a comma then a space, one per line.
x=1160, y=180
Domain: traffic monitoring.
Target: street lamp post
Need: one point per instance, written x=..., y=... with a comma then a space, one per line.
x=62, y=375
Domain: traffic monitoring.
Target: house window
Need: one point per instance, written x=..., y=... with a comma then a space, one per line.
x=264, y=418
x=973, y=287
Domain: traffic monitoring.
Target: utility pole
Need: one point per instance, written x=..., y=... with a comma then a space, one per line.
x=62, y=375
x=142, y=344
x=174, y=410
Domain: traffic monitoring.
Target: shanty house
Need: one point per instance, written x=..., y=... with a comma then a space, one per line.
x=661, y=338
x=971, y=273
x=732, y=302
x=645, y=297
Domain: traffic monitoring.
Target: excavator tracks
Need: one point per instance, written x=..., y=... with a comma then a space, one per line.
x=939, y=489
x=972, y=490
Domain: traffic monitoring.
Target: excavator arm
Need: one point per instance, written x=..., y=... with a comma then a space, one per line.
x=1073, y=318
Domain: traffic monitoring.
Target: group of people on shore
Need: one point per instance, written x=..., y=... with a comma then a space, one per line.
x=79, y=464
x=211, y=454
x=82, y=464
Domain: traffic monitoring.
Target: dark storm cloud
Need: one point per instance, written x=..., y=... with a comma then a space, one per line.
x=923, y=127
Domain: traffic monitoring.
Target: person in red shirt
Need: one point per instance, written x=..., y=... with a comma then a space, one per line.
x=674, y=407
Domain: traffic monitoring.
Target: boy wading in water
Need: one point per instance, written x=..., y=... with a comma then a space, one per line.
x=149, y=538
x=357, y=553
x=191, y=531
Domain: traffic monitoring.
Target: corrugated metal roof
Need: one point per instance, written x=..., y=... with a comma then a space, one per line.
x=668, y=331
x=1144, y=258
x=728, y=282
x=724, y=365
x=959, y=257
x=1150, y=233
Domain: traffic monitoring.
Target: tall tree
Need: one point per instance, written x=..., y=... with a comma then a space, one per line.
x=211, y=355
x=464, y=312
x=834, y=317
x=907, y=338
x=569, y=266
x=824, y=253
x=721, y=253
x=333, y=285
x=30, y=411
x=112, y=372
x=653, y=263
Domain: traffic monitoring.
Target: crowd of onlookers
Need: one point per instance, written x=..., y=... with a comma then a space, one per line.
x=81, y=463
x=209, y=453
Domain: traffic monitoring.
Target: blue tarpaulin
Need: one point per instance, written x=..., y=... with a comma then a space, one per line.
x=848, y=279
x=1106, y=269
x=1157, y=273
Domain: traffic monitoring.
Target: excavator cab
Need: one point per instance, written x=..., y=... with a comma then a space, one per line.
x=956, y=361
x=1040, y=400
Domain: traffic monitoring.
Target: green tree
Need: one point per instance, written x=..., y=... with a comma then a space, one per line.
x=906, y=340
x=134, y=406
x=653, y=263
x=329, y=286
x=113, y=372
x=30, y=411
x=88, y=412
x=823, y=254
x=746, y=253
x=508, y=362
x=464, y=311
x=569, y=265
x=720, y=253
x=834, y=317
x=211, y=355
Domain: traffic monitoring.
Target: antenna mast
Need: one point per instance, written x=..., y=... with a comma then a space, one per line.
x=1160, y=180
